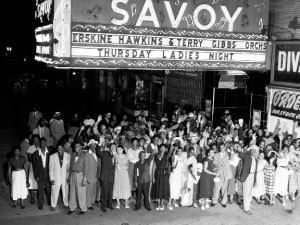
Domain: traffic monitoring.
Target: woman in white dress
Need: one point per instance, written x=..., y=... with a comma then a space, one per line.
x=260, y=189
x=175, y=178
x=282, y=174
x=32, y=182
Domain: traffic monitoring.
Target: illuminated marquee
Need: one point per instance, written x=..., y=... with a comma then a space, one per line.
x=163, y=34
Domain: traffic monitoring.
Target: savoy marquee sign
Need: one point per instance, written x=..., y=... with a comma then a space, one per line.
x=167, y=34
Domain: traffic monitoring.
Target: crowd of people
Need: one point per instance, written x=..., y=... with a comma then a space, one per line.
x=181, y=162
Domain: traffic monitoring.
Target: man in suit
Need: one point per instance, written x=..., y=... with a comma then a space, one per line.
x=40, y=163
x=78, y=180
x=107, y=177
x=224, y=172
x=92, y=173
x=248, y=175
x=43, y=131
x=33, y=119
x=142, y=180
x=57, y=128
x=59, y=172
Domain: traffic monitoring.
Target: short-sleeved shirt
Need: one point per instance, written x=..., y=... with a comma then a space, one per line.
x=17, y=164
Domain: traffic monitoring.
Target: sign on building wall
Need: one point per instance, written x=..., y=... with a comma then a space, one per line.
x=43, y=23
x=286, y=64
x=168, y=34
x=284, y=111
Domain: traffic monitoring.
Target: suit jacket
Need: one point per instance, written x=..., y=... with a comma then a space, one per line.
x=246, y=166
x=107, y=166
x=59, y=173
x=57, y=129
x=38, y=169
x=46, y=135
x=142, y=171
x=223, y=166
x=34, y=119
x=93, y=168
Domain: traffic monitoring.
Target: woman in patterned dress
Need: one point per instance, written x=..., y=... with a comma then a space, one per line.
x=270, y=171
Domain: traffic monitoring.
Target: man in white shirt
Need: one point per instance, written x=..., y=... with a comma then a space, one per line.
x=40, y=163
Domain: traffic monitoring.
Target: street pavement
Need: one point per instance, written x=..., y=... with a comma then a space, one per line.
x=232, y=215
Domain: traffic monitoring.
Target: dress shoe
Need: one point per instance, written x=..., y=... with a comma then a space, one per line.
x=223, y=205
x=14, y=206
x=148, y=209
x=91, y=208
x=230, y=202
x=248, y=212
x=22, y=206
x=103, y=209
x=96, y=202
x=70, y=212
x=111, y=208
x=32, y=201
x=213, y=204
x=81, y=213
x=52, y=209
x=40, y=207
x=136, y=209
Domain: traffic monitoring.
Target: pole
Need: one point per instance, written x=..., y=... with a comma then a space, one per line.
x=251, y=98
x=213, y=106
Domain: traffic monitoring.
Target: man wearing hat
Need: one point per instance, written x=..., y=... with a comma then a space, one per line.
x=92, y=173
x=57, y=127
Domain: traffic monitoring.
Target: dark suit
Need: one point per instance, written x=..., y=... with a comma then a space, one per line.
x=142, y=178
x=41, y=175
x=107, y=177
x=248, y=178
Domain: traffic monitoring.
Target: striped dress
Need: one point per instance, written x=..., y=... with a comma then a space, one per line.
x=269, y=178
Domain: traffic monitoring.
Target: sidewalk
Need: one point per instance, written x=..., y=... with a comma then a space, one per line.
x=31, y=210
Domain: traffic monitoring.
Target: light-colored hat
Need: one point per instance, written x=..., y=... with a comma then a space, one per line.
x=253, y=147
x=57, y=114
x=92, y=141
x=117, y=128
x=191, y=114
x=162, y=131
x=178, y=139
x=194, y=137
x=164, y=119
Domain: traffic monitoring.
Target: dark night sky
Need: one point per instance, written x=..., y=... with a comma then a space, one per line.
x=17, y=18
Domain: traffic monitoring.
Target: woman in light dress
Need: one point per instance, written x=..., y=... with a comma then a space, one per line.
x=259, y=189
x=282, y=174
x=18, y=178
x=121, y=184
x=294, y=183
x=32, y=182
x=176, y=177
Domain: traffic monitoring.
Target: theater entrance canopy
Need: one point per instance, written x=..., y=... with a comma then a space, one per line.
x=152, y=34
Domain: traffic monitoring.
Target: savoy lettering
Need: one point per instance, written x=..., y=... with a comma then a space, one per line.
x=149, y=14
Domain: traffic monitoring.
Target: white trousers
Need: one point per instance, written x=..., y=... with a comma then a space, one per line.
x=55, y=194
x=247, y=191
